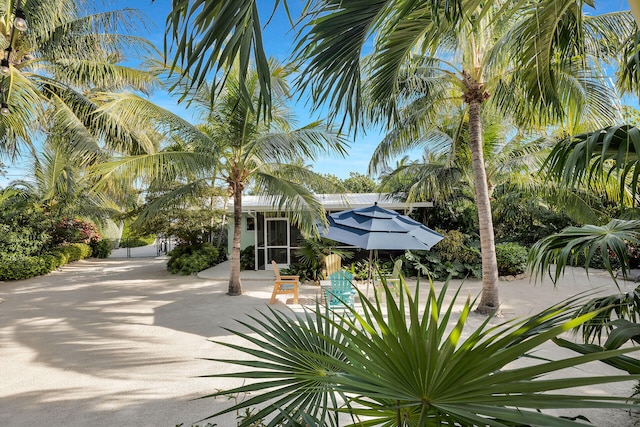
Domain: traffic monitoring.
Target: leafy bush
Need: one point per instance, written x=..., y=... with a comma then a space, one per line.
x=101, y=248
x=512, y=258
x=455, y=248
x=74, y=230
x=24, y=226
x=248, y=258
x=457, y=256
x=310, y=258
x=18, y=267
x=187, y=259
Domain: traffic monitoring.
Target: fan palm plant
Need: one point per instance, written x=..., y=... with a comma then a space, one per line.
x=402, y=366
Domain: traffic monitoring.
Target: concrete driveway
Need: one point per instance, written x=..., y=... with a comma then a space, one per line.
x=120, y=342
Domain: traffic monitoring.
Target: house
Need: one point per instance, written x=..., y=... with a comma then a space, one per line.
x=274, y=238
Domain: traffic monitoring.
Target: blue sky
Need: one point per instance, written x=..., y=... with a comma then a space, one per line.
x=278, y=43
x=278, y=38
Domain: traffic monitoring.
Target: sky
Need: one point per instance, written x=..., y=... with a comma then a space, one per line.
x=278, y=40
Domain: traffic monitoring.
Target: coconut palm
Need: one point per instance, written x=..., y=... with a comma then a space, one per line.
x=234, y=147
x=549, y=48
x=410, y=90
x=62, y=187
x=69, y=55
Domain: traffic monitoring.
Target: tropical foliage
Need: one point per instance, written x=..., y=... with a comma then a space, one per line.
x=400, y=366
x=188, y=259
x=60, y=68
x=34, y=242
x=235, y=148
x=310, y=257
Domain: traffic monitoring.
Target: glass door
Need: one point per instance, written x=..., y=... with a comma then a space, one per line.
x=277, y=241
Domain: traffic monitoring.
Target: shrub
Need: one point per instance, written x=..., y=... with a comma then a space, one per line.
x=22, y=267
x=61, y=255
x=101, y=249
x=77, y=251
x=455, y=248
x=456, y=256
x=18, y=267
x=74, y=230
x=248, y=258
x=512, y=258
x=71, y=252
x=187, y=259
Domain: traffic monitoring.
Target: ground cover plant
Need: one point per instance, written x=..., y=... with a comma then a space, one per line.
x=397, y=365
x=187, y=259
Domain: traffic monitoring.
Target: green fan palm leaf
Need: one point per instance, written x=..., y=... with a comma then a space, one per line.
x=402, y=366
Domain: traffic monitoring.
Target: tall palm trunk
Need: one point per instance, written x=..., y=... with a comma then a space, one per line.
x=235, y=285
x=475, y=95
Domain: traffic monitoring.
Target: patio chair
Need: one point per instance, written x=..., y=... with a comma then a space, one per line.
x=284, y=285
x=332, y=263
x=340, y=294
x=392, y=280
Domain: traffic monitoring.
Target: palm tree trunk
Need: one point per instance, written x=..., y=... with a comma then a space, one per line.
x=235, y=285
x=490, y=300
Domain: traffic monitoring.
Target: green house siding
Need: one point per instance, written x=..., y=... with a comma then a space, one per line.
x=248, y=236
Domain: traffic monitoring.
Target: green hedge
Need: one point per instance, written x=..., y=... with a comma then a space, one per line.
x=187, y=259
x=18, y=267
x=101, y=248
x=512, y=258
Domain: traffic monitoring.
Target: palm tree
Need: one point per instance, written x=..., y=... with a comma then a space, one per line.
x=548, y=52
x=235, y=147
x=457, y=64
x=264, y=153
x=59, y=68
x=62, y=187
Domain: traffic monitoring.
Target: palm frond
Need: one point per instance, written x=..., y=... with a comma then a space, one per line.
x=401, y=365
x=210, y=37
x=285, y=185
x=565, y=248
x=333, y=41
x=307, y=142
x=162, y=165
x=587, y=158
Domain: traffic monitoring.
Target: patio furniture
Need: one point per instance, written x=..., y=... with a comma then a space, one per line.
x=332, y=263
x=392, y=280
x=284, y=285
x=340, y=294
x=375, y=228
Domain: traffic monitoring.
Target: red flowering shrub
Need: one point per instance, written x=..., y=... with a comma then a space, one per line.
x=73, y=230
